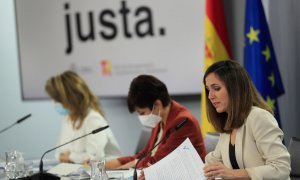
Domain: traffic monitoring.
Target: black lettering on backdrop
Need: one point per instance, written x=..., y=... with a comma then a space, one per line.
x=108, y=24
x=124, y=11
x=143, y=24
x=91, y=34
x=68, y=31
x=147, y=21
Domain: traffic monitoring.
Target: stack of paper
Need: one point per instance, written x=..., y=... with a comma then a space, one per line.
x=183, y=163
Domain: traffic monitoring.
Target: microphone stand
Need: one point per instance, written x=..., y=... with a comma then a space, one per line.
x=163, y=140
x=47, y=176
x=18, y=122
x=147, y=153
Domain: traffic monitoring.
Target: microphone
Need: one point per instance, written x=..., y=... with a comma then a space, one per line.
x=178, y=126
x=18, y=122
x=47, y=176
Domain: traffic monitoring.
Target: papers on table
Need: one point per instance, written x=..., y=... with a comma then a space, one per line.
x=183, y=163
x=120, y=174
x=64, y=169
x=78, y=171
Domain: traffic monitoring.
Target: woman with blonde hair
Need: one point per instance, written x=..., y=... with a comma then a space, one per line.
x=82, y=114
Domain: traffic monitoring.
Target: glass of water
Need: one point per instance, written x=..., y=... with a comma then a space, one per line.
x=98, y=171
x=15, y=165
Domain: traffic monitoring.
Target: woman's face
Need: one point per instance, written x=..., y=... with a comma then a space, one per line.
x=217, y=92
x=147, y=111
x=143, y=111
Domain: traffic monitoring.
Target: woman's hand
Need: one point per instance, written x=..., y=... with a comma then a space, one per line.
x=128, y=165
x=86, y=162
x=64, y=157
x=141, y=176
x=218, y=170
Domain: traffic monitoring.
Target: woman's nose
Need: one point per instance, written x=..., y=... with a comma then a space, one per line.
x=211, y=95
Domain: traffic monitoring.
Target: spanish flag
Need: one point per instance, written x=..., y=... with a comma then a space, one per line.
x=216, y=47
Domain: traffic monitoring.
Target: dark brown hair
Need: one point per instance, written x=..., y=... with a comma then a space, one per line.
x=145, y=90
x=242, y=96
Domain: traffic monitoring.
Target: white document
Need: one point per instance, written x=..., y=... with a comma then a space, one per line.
x=64, y=169
x=120, y=174
x=183, y=163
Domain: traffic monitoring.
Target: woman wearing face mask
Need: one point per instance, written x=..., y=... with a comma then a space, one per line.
x=149, y=97
x=250, y=144
x=82, y=114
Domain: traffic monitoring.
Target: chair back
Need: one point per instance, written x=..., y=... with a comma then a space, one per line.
x=294, y=150
x=211, y=140
x=143, y=139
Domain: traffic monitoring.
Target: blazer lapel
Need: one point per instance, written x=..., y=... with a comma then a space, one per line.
x=225, y=151
x=239, y=146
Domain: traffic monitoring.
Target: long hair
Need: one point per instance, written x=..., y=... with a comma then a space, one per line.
x=73, y=93
x=242, y=96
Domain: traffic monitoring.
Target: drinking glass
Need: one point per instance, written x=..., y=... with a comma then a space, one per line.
x=98, y=171
x=15, y=166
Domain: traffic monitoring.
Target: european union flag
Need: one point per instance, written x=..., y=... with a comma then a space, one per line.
x=259, y=55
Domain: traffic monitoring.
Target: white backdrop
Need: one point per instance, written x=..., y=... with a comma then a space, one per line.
x=109, y=42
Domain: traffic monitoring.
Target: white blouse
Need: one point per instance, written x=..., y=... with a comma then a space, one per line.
x=100, y=145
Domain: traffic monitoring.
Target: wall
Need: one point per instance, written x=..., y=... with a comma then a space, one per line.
x=285, y=28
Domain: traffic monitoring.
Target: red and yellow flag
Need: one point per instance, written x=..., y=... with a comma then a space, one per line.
x=216, y=47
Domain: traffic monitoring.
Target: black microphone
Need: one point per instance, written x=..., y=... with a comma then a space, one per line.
x=18, y=122
x=178, y=126
x=47, y=176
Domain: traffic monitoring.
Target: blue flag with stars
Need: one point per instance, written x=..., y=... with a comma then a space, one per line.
x=259, y=56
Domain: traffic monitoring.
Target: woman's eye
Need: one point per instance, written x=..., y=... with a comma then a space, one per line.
x=217, y=88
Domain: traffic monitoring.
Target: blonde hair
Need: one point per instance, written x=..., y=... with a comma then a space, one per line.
x=73, y=93
x=242, y=96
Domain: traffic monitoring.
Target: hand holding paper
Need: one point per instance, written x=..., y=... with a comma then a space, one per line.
x=183, y=163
